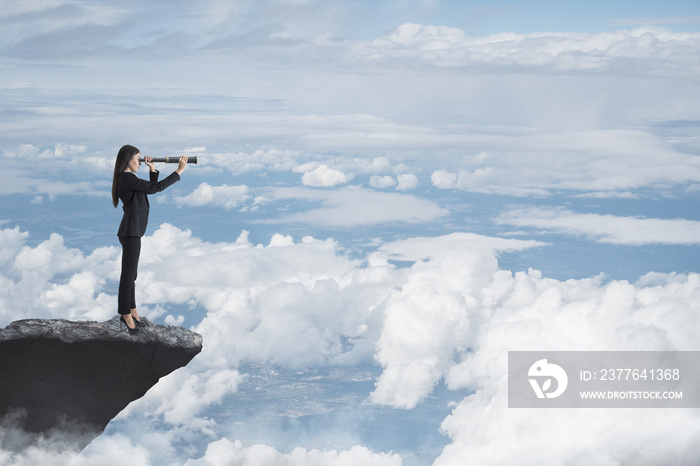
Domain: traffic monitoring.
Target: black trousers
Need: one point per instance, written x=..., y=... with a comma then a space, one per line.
x=131, y=250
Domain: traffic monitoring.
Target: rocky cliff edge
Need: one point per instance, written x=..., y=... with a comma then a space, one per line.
x=59, y=375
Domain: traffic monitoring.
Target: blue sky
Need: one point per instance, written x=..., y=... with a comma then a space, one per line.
x=390, y=197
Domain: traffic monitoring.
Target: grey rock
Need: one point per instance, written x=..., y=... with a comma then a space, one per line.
x=74, y=377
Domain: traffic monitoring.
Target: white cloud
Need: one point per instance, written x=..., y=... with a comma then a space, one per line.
x=307, y=167
x=456, y=315
x=51, y=280
x=170, y=320
x=364, y=165
x=276, y=304
x=182, y=395
x=21, y=181
x=110, y=450
x=281, y=240
x=259, y=160
x=355, y=206
x=31, y=169
x=607, y=163
x=324, y=177
x=11, y=242
x=20, y=448
x=490, y=435
x=224, y=196
x=236, y=454
x=382, y=182
x=527, y=312
x=430, y=316
x=443, y=179
x=449, y=47
x=452, y=315
x=407, y=182
x=61, y=151
x=606, y=228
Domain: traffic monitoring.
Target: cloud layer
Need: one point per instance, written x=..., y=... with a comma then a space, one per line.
x=445, y=46
x=452, y=315
x=606, y=228
x=234, y=453
x=355, y=206
x=594, y=163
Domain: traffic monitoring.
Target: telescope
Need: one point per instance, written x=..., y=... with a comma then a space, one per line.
x=170, y=159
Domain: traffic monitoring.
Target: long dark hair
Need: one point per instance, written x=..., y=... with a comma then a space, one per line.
x=123, y=157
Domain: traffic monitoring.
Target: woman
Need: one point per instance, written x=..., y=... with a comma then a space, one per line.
x=133, y=191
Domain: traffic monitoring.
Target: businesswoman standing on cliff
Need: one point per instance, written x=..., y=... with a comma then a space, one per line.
x=133, y=191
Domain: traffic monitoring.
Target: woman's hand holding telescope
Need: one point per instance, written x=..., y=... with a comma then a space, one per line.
x=182, y=164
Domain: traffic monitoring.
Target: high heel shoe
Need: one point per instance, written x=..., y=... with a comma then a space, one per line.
x=131, y=330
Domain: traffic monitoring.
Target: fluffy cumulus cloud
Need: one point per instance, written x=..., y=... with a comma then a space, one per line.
x=444, y=179
x=52, y=280
x=324, y=177
x=606, y=228
x=526, y=312
x=457, y=315
x=406, y=182
x=429, y=318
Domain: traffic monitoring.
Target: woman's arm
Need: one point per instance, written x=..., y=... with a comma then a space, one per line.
x=131, y=182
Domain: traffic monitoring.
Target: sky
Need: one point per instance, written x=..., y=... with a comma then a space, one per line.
x=390, y=196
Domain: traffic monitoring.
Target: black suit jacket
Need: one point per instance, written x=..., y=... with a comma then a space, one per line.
x=133, y=191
